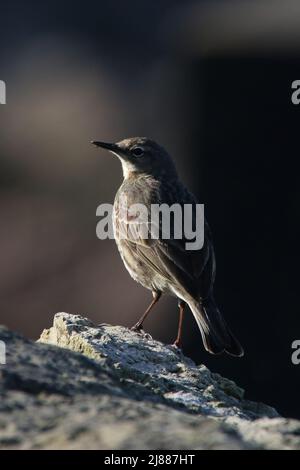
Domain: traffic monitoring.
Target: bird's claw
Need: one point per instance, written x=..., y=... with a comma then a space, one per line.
x=139, y=330
x=177, y=345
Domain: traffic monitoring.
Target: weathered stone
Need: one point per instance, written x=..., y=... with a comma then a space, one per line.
x=105, y=387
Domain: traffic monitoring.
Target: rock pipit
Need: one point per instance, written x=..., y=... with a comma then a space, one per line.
x=161, y=264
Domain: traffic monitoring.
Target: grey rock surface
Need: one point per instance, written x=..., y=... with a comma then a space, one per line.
x=104, y=387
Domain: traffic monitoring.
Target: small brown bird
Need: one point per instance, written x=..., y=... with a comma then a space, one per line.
x=165, y=265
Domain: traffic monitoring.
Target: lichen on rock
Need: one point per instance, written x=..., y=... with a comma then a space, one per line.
x=84, y=386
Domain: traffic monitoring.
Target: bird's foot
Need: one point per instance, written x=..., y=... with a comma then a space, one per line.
x=139, y=330
x=177, y=344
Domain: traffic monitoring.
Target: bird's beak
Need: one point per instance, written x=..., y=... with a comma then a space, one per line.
x=105, y=145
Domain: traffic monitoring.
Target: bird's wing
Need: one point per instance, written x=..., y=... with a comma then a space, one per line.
x=176, y=265
x=192, y=269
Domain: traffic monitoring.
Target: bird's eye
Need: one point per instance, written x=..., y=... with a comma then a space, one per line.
x=137, y=151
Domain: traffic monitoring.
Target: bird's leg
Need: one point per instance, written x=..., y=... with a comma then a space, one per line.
x=139, y=325
x=177, y=342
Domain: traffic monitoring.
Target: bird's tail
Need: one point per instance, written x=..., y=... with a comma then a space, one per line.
x=216, y=335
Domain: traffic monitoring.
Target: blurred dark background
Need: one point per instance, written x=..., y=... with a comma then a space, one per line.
x=211, y=81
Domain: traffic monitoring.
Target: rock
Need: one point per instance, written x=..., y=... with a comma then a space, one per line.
x=104, y=387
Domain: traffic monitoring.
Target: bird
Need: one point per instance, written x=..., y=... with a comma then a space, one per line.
x=166, y=266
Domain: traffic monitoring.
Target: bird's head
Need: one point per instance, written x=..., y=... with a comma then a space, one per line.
x=140, y=155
